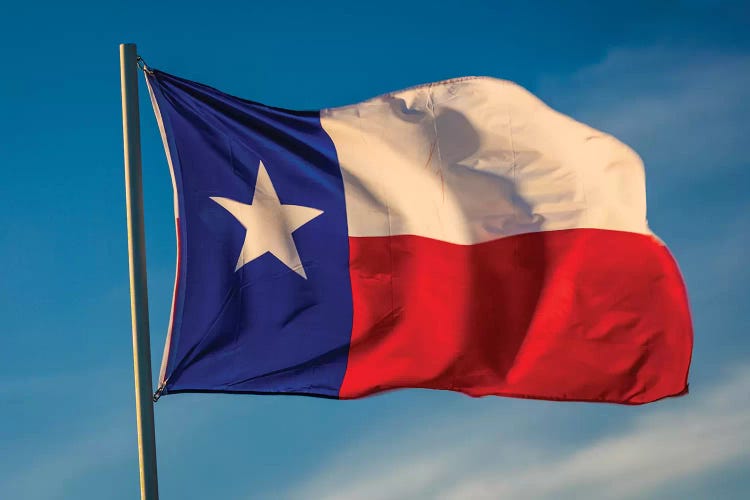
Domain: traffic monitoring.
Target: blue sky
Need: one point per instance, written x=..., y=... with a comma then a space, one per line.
x=672, y=81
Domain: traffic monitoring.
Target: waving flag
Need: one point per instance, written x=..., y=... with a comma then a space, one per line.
x=459, y=235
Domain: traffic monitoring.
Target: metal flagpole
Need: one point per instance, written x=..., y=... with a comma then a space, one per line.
x=131, y=134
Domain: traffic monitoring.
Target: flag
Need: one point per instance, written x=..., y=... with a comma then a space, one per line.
x=459, y=235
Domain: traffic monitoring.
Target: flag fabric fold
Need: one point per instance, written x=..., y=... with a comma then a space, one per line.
x=459, y=235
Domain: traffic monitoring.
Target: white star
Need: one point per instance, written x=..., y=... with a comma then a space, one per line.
x=269, y=224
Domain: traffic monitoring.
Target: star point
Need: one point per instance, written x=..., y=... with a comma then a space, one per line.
x=269, y=224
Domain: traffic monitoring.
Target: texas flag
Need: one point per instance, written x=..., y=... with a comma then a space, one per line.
x=459, y=235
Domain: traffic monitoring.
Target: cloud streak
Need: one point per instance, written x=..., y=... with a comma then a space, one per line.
x=650, y=452
x=685, y=112
x=51, y=457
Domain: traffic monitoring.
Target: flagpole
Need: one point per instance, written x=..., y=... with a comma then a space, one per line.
x=131, y=134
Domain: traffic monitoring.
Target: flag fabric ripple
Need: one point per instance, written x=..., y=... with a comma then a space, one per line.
x=459, y=235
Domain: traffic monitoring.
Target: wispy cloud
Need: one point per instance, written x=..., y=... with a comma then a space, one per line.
x=718, y=263
x=680, y=439
x=69, y=458
x=42, y=457
x=685, y=112
x=52, y=454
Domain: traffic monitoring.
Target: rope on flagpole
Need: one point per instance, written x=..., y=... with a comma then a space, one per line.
x=159, y=391
x=143, y=66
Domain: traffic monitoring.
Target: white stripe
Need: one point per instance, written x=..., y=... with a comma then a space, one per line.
x=163, y=132
x=476, y=159
x=160, y=121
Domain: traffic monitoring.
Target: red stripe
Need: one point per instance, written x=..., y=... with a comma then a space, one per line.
x=168, y=345
x=581, y=314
